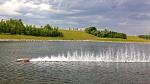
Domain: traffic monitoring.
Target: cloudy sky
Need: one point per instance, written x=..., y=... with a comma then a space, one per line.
x=128, y=16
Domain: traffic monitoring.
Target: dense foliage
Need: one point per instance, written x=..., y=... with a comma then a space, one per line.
x=13, y=26
x=105, y=33
x=145, y=36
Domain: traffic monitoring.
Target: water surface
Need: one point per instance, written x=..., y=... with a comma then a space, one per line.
x=74, y=63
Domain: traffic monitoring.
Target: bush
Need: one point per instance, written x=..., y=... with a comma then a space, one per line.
x=145, y=37
x=105, y=33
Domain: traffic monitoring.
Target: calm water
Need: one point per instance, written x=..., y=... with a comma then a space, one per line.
x=74, y=63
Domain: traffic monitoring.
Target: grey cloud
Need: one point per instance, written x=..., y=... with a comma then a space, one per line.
x=129, y=16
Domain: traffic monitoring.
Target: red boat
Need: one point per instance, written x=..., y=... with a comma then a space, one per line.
x=23, y=60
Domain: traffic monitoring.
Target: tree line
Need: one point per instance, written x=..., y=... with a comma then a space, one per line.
x=14, y=26
x=105, y=33
x=145, y=37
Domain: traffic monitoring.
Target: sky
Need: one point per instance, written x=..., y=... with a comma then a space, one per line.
x=128, y=16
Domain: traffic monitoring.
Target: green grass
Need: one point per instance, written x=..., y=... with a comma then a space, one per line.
x=73, y=35
x=77, y=35
x=129, y=39
x=136, y=39
x=68, y=35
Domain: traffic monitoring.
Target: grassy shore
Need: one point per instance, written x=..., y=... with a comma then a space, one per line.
x=72, y=35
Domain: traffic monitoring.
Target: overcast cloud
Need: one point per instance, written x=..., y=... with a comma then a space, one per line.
x=128, y=16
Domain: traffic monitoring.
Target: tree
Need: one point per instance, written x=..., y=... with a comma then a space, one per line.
x=90, y=30
x=14, y=26
x=48, y=27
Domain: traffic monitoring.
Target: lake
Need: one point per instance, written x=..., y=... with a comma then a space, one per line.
x=75, y=63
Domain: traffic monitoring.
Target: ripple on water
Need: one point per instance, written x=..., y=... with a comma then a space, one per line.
x=68, y=72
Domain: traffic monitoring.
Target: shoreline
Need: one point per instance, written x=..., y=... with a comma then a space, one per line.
x=31, y=40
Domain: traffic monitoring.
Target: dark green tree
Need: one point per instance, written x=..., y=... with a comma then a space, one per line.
x=13, y=26
x=105, y=33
